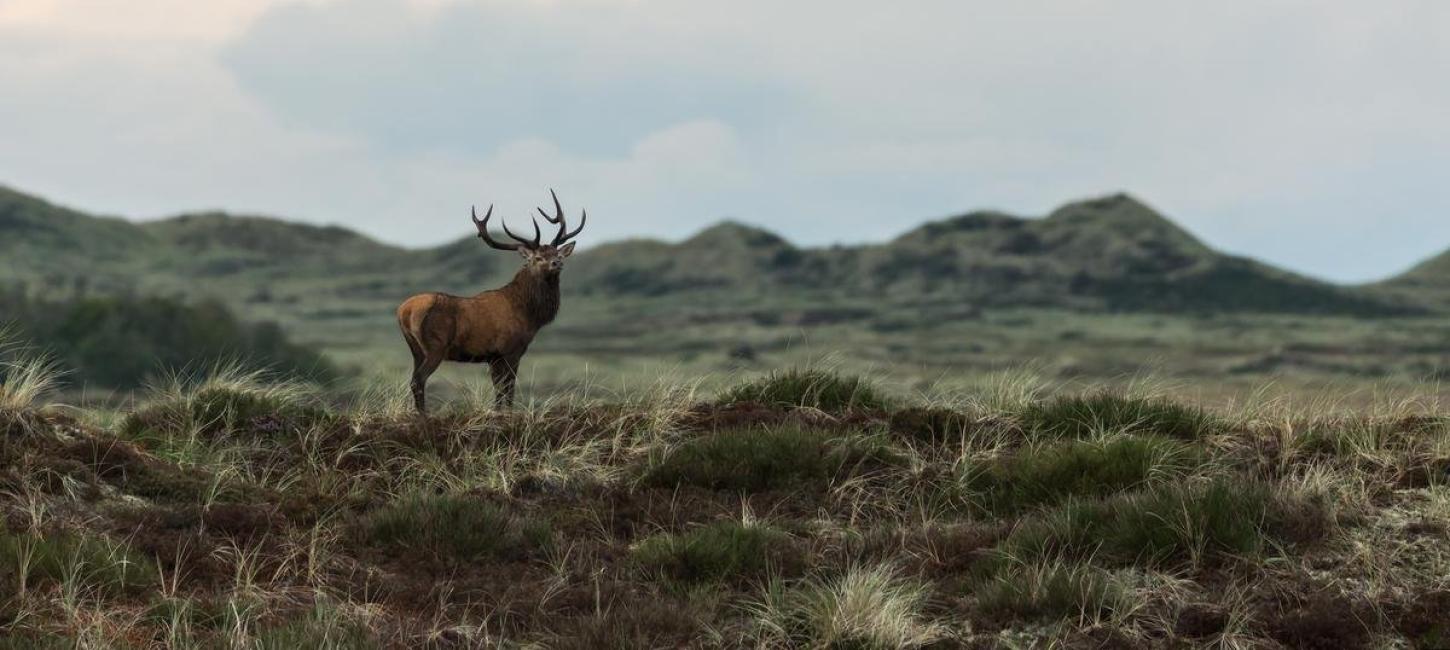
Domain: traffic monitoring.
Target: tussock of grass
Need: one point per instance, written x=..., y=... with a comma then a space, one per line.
x=29, y=560
x=1054, y=590
x=724, y=550
x=810, y=388
x=231, y=401
x=1085, y=416
x=867, y=607
x=1170, y=524
x=1079, y=469
x=454, y=527
x=322, y=628
x=765, y=459
x=25, y=377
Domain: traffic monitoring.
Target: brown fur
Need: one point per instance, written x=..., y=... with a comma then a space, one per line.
x=493, y=327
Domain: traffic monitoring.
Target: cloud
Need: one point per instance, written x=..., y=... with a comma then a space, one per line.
x=149, y=20
x=475, y=77
x=1307, y=133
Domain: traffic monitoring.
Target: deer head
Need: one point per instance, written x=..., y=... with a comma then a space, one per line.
x=541, y=257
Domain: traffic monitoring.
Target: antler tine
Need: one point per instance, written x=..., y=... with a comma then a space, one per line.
x=538, y=236
x=563, y=237
x=558, y=210
x=483, y=231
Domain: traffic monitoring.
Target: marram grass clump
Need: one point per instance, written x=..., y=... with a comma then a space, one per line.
x=810, y=388
x=454, y=528
x=30, y=560
x=728, y=550
x=1085, y=416
x=26, y=378
x=1076, y=468
x=230, y=401
x=766, y=459
x=1053, y=590
x=866, y=607
x=1174, y=524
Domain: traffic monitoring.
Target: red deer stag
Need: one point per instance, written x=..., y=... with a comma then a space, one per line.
x=493, y=327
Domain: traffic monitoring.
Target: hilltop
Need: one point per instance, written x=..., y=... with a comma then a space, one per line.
x=1111, y=253
x=1428, y=282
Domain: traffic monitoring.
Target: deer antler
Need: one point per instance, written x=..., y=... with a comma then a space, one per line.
x=563, y=235
x=483, y=233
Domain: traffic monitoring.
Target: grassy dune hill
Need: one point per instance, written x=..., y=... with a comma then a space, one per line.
x=38, y=240
x=1427, y=282
x=797, y=509
x=1097, y=289
x=1110, y=253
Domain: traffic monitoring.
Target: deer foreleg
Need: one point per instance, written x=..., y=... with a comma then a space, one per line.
x=505, y=378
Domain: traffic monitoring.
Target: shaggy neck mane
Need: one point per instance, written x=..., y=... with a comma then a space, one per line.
x=536, y=293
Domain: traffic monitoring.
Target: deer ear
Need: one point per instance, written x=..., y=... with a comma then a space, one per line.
x=567, y=250
x=525, y=253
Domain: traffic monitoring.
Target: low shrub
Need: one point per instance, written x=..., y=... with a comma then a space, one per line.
x=1169, y=524
x=818, y=389
x=454, y=527
x=719, y=551
x=1079, y=469
x=765, y=459
x=1084, y=416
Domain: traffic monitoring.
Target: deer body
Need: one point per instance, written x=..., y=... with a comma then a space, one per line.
x=494, y=327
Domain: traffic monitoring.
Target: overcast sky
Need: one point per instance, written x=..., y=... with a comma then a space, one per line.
x=1313, y=134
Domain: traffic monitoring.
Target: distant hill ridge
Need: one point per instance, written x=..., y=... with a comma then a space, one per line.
x=1110, y=253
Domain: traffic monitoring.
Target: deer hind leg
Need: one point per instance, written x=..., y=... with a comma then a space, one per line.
x=505, y=377
x=424, y=364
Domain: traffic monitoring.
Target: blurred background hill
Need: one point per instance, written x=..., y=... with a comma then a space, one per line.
x=1098, y=288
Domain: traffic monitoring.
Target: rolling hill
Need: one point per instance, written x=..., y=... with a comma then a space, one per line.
x=1427, y=282
x=1111, y=253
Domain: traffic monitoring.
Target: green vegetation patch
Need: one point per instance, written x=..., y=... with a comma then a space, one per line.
x=1083, y=416
x=322, y=628
x=1053, y=591
x=454, y=527
x=723, y=550
x=818, y=389
x=868, y=608
x=95, y=562
x=766, y=459
x=1079, y=469
x=230, y=404
x=125, y=466
x=1171, y=524
x=121, y=341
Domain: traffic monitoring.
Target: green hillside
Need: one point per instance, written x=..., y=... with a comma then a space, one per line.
x=1113, y=253
x=1427, y=282
x=1095, y=288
